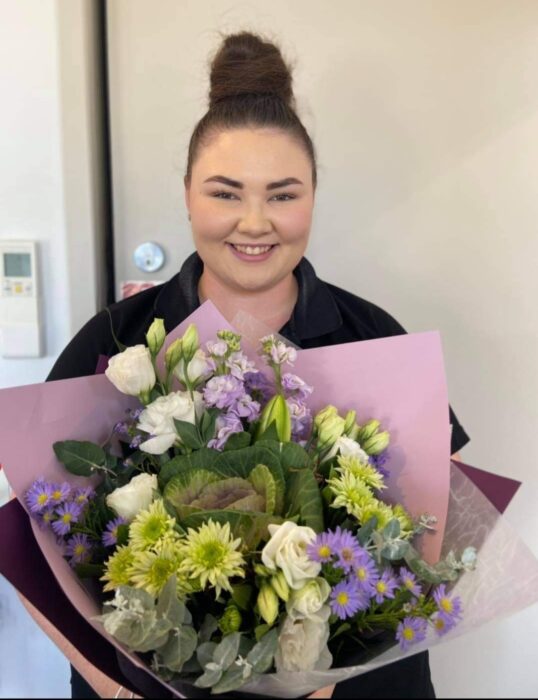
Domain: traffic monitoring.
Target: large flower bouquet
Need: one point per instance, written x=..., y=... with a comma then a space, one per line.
x=237, y=539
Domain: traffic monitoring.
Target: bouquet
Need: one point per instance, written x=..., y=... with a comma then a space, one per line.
x=238, y=538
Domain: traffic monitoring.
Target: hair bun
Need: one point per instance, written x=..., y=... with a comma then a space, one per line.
x=245, y=64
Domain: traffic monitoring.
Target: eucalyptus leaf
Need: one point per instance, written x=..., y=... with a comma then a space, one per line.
x=209, y=678
x=81, y=458
x=364, y=534
x=233, y=678
x=395, y=550
x=179, y=648
x=226, y=651
x=170, y=607
x=208, y=627
x=392, y=529
x=205, y=652
x=261, y=655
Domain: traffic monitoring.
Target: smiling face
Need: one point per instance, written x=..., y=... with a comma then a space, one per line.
x=251, y=200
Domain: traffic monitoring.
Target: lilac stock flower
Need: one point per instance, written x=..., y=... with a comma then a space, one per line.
x=79, y=549
x=349, y=552
x=246, y=407
x=301, y=419
x=227, y=424
x=367, y=575
x=281, y=353
x=322, y=548
x=217, y=348
x=296, y=387
x=259, y=386
x=449, y=608
x=384, y=587
x=347, y=599
x=239, y=365
x=223, y=391
x=410, y=631
x=68, y=513
x=110, y=536
x=39, y=496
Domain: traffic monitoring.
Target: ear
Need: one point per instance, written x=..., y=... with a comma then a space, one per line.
x=187, y=195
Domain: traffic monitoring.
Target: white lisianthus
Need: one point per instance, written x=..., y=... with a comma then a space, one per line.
x=347, y=448
x=127, y=501
x=286, y=550
x=302, y=643
x=198, y=368
x=308, y=600
x=131, y=371
x=157, y=419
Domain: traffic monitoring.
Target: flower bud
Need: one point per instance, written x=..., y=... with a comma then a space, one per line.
x=376, y=444
x=230, y=620
x=268, y=603
x=155, y=336
x=350, y=421
x=190, y=342
x=368, y=430
x=330, y=430
x=173, y=354
x=280, y=585
x=325, y=413
x=262, y=570
x=353, y=434
x=276, y=411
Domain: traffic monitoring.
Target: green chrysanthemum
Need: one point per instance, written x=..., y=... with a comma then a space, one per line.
x=151, y=570
x=351, y=493
x=151, y=526
x=366, y=472
x=210, y=554
x=117, y=568
x=382, y=512
x=406, y=522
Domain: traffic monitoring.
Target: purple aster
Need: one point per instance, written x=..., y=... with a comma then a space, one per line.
x=238, y=364
x=347, y=599
x=348, y=550
x=227, y=424
x=442, y=624
x=322, y=548
x=60, y=493
x=246, y=407
x=384, y=587
x=409, y=581
x=110, y=537
x=450, y=608
x=259, y=386
x=367, y=575
x=67, y=514
x=377, y=461
x=301, y=419
x=135, y=442
x=295, y=386
x=223, y=391
x=83, y=495
x=38, y=496
x=79, y=548
x=45, y=518
x=410, y=631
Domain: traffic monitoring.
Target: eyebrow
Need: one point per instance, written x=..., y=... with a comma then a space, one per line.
x=239, y=185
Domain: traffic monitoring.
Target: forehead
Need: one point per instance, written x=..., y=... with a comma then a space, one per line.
x=255, y=153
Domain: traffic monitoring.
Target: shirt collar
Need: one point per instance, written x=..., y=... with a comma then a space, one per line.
x=315, y=314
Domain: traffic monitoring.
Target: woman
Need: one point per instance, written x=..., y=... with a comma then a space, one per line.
x=249, y=189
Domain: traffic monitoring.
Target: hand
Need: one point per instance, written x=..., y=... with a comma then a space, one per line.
x=323, y=692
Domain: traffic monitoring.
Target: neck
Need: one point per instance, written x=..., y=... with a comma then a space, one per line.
x=271, y=307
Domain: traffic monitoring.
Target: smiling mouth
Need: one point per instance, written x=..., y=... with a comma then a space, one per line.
x=252, y=249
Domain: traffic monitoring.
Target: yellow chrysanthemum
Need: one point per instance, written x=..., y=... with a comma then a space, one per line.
x=151, y=570
x=382, y=512
x=350, y=493
x=117, y=568
x=151, y=526
x=210, y=555
x=366, y=472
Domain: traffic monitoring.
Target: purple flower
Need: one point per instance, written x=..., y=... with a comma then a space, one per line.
x=68, y=513
x=281, y=353
x=246, y=407
x=110, y=537
x=449, y=608
x=410, y=631
x=227, y=424
x=135, y=442
x=60, y=493
x=384, y=587
x=322, y=548
x=223, y=391
x=367, y=575
x=239, y=365
x=409, y=581
x=38, y=496
x=348, y=550
x=217, y=348
x=83, y=495
x=377, y=461
x=78, y=548
x=301, y=419
x=121, y=428
x=296, y=387
x=259, y=386
x=347, y=599
x=45, y=518
x=442, y=624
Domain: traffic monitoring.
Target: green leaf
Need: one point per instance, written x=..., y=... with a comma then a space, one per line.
x=262, y=654
x=189, y=434
x=208, y=627
x=209, y=678
x=207, y=424
x=261, y=630
x=121, y=347
x=204, y=458
x=205, y=651
x=170, y=607
x=226, y=652
x=271, y=433
x=364, y=533
x=264, y=483
x=233, y=678
x=293, y=456
x=391, y=531
x=395, y=550
x=89, y=570
x=185, y=488
x=303, y=497
x=179, y=648
x=237, y=441
x=242, y=595
x=81, y=458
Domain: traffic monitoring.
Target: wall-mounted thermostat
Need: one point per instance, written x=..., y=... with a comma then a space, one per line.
x=20, y=319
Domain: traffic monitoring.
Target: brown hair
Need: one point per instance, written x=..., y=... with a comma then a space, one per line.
x=251, y=86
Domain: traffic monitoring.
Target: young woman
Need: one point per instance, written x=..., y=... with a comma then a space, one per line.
x=250, y=188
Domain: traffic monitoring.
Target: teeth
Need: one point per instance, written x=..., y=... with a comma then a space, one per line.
x=252, y=250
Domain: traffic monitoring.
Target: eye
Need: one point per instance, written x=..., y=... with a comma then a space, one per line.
x=289, y=197
x=223, y=195
x=230, y=195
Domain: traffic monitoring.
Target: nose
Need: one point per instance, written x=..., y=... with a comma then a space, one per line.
x=254, y=222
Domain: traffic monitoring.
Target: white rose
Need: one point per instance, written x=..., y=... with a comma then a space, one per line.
x=347, y=448
x=131, y=371
x=308, y=600
x=302, y=644
x=130, y=499
x=287, y=550
x=157, y=419
x=198, y=368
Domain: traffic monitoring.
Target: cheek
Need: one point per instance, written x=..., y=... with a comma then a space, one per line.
x=295, y=222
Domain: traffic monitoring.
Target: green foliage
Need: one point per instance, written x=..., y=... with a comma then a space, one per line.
x=237, y=441
x=80, y=458
x=204, y=458
x=303, y=498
